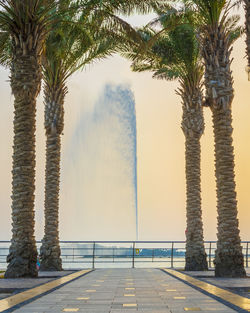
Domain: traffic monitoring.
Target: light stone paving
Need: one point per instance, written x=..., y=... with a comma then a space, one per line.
x=24, y=283
x=11, y=286
x=208, y=276
x=19, y=298
x=125, y=291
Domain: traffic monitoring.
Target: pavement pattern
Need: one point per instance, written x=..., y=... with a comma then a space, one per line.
x=208, y=276
x=15, y=285
x=20, y=298
x=125, y=291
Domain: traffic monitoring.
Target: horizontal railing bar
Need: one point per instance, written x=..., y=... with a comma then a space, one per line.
x=131, y=242
x=84, y=242
x=88, y=253
x=160, y=241
x=104, y=262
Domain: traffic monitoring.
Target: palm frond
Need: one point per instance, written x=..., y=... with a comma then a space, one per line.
x=175, y=52
x=5, y=49
x=75, y=42
x=26, y=21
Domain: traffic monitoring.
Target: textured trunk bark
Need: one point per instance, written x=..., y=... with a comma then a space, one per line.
x=193, y=128
x=196, y=258
x=217, y=49
x=25, y=83
x=247, y=24
x=50, y=252
x=228, y=259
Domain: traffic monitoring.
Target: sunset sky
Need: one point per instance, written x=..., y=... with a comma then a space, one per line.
x=160, y=145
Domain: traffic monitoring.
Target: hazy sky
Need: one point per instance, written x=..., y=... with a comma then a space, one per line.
x=161, y=176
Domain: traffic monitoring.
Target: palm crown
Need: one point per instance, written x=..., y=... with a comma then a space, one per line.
x=73, y=43
x=175, y=54
x=214, y=13
x=31, y=17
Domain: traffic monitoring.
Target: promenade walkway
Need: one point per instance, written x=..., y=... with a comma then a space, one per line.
x=125, y=291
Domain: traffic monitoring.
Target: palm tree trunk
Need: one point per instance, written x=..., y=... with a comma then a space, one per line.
x=196, y=258
x=229, y=260
x=247, y=23
x=50, y=252
x=193, y=128
x=25, y=84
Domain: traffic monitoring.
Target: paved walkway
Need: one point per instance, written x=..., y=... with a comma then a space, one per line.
x=208, y=276
x=8, y=286
x=124, y=291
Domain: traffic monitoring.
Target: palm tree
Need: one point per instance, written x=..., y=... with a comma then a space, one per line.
x=70, y=46
x=77, y=41
x=73, y=44
x=175, y=55
x=24, y=23
x=217, y=33
x=247, y=26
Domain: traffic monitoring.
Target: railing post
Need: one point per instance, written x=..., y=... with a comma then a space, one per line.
x=247, y=255
x=133, y=258
x=172, y=255
x=73, y=254
x=93, y=257
x=153, y=254
x=209, y=255
x=113, y=255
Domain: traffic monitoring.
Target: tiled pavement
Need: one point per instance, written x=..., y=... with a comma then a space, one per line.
x=208, y=276
x=125, y=291
x=7, y=286
x=22, y=283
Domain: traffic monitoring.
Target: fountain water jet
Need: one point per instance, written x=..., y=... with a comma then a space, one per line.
x=102, y=159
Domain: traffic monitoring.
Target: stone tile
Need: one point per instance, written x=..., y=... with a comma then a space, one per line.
x=150, y=295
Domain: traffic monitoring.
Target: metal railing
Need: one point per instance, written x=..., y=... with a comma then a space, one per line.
x=97, y=254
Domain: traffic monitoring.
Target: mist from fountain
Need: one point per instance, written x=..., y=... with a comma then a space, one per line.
x=101, y=162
